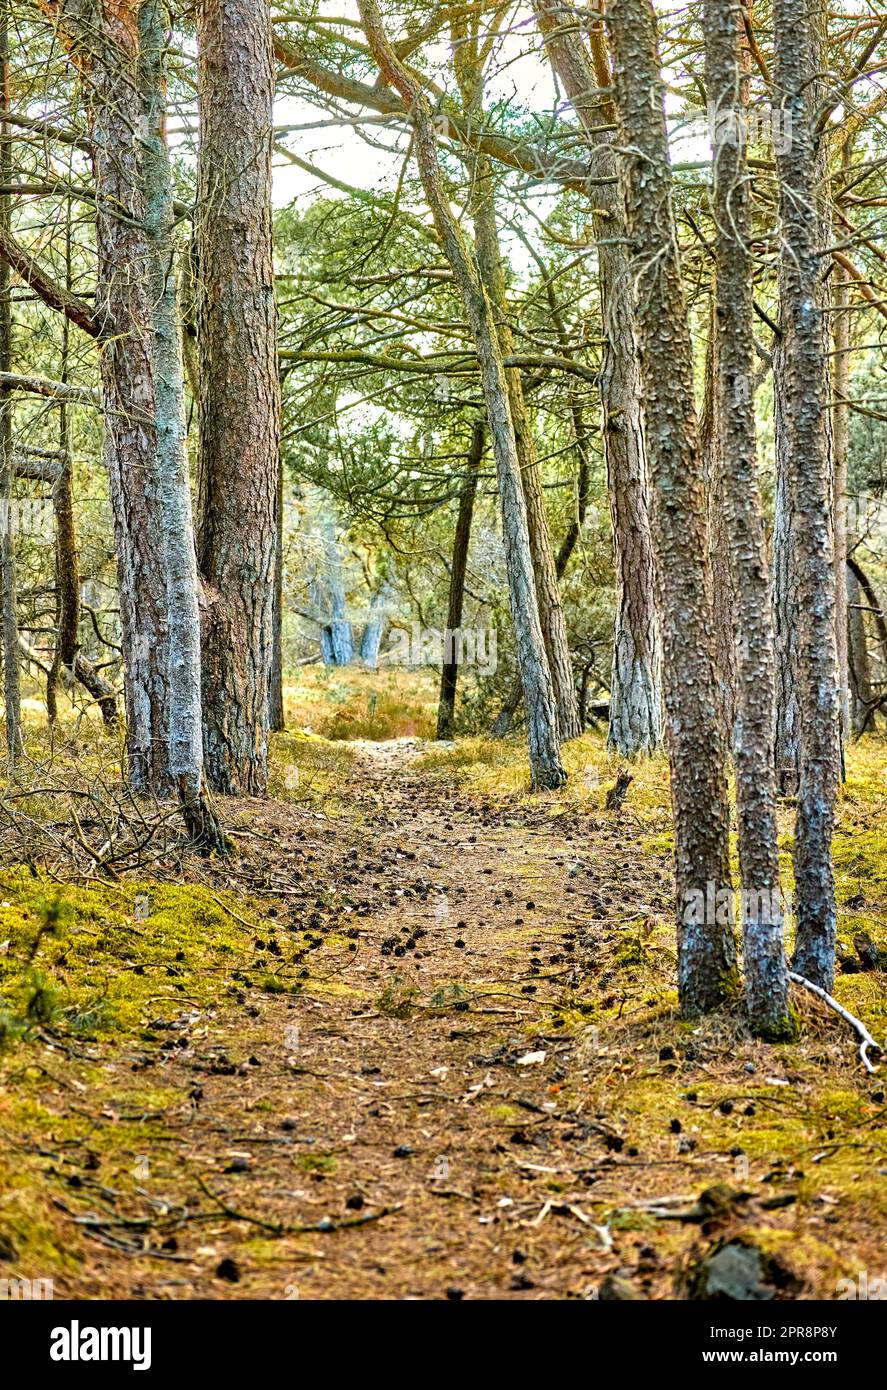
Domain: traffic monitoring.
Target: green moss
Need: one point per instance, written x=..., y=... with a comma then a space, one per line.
x=100, y=959
x=317, y=1163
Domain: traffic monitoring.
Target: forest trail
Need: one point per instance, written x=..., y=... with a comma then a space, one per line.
x=474, y=1091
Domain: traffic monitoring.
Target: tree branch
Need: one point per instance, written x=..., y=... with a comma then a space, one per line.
x=27, y=268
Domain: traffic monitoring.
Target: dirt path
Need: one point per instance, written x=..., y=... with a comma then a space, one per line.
x=476, y=1088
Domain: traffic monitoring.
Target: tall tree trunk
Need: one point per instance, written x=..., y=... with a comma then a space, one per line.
x=276, y=719
x=546, y=768
x=841, y=452
x=104, y=43
x=714, y=464
x=635, y=695
x=551, y=608
x=185, y=735
x=482, y=204
x=449, y=675
x=787, y=741
x=804, y=388
x=11, y=694
x=502, y=723
x=67, y=562
x=744, y=591
x=240, y=392
x=706, y=949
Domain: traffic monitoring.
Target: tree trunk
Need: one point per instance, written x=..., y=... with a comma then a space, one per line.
x=867, y=602
x=240, y=392
x=706, y=949
x=185, y=735
x=804, y=389
x=104, y=46
x=546, y=768
x=328, y=588
x=449, y=674
x=67, y=564
x=635, y=698
x=861, y=692
x=11, y=694
x=841, y=453
x=741, y=596
x=482, y=204
x=374, y=628
x=276, y=719
x=714, y=464
x=787, y=742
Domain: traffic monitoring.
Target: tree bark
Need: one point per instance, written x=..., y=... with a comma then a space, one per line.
x=714, y=464
x=743, y=592
x=449, y=675
x=804, y=389
x=276, y=719
x=482, y=204
x=706, y=948
x=104, y=44
x=860, y=668
x=635, y=697
x=787, y=741
x=11, y=691
x=240, y=392
x=551, y=608
x=185, y=734
x=67, y=561
x=546, y=768
x=841, y=453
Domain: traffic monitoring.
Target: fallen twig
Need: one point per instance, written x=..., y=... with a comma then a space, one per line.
x=324, y=1226
x=865, y=1035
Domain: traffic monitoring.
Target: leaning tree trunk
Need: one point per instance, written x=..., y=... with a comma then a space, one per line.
x=546, y=767
x=8, y=614
x=240, y=393
x=482, y=202
x=741, y=528
x=635, y=694
x=449, y=675
x=706, y=949
x=804, y=362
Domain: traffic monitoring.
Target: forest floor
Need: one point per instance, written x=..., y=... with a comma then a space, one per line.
x=419, y=1040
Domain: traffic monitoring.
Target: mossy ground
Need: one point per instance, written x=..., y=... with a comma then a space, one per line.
x=212, y=1075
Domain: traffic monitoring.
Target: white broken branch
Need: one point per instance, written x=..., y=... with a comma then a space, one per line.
x=867, y=1039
